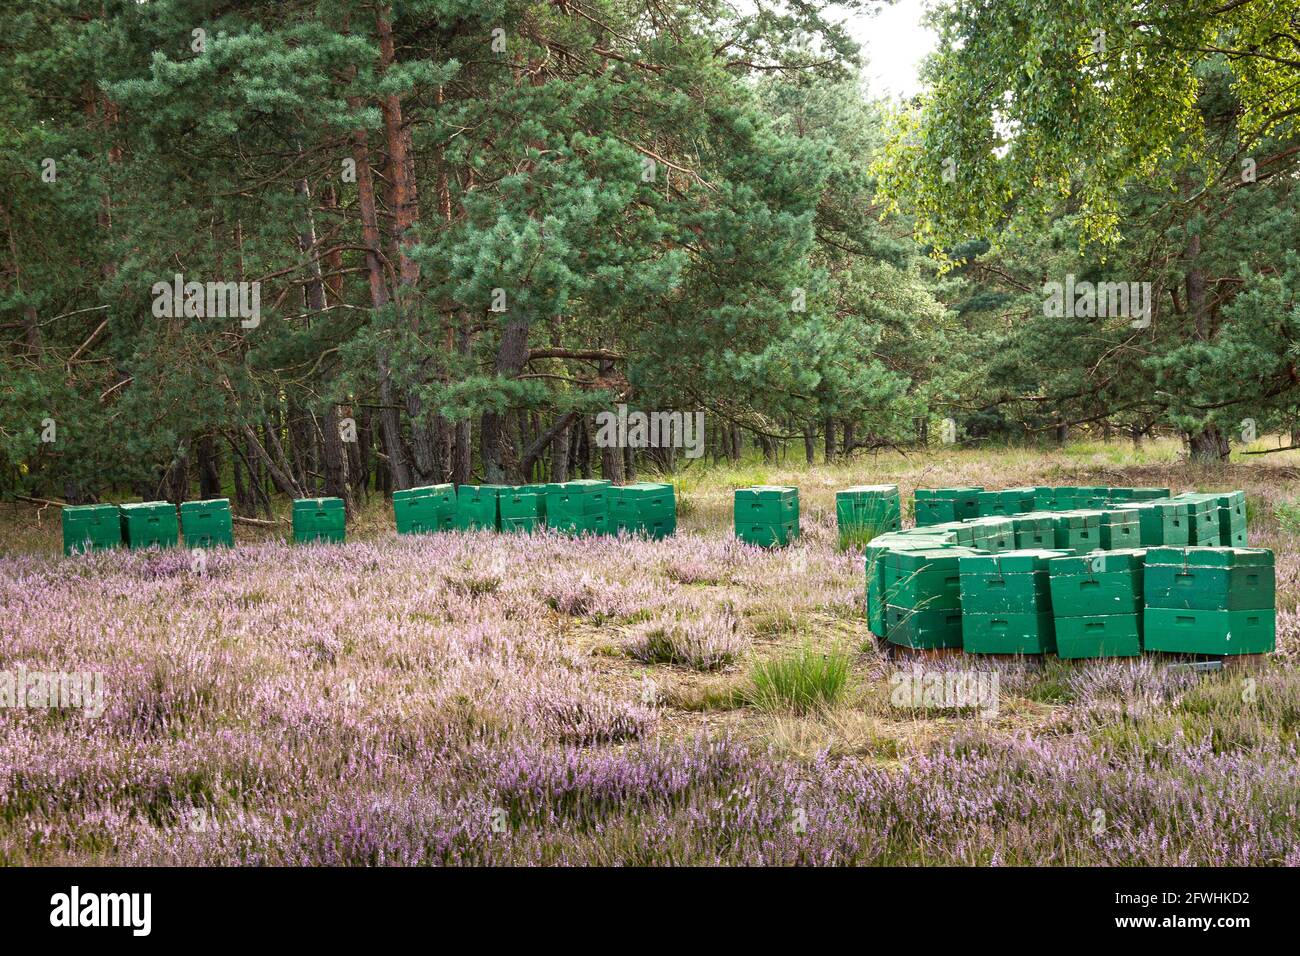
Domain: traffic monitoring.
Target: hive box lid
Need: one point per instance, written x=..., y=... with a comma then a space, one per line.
x=1099, y=562
x=655, y=486
x=928, y=559
x=325, y=504
x=1025, y=561
x=1211, y=557
x=1079, y=518
x=146, y=505
x=863, y=490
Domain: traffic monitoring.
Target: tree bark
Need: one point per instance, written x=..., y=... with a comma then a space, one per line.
x=389, y=420
x=512, y=354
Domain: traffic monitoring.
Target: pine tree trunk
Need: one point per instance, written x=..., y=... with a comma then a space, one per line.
x=1209, y=445
x=390, y=425
x=560, y=455
x=829, y=427
x=512, y=353
x=209, y=464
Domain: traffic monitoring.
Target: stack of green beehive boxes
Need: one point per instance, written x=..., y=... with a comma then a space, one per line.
x=319, y=519
x=578, y=507
x=522, y=508
x=767, y=515
x=1120, y=529
x=1006, y=603
x=207, y=524
x=993, y=533
x=1202, y=600
x=910, y=540
x=646, y=508
x=149, y=524
x=866, y=511
x=1204, y=525
x=1097, y=603
x=1232, y=519
x=1160, y=522
x=922, y=594
x=1078, y=531
x=424, y=510
x=1034, y=532
x=478, y=507
x=91, y=528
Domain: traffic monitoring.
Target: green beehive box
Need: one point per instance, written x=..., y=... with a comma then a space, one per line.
x=1015, y=581
x=926, y=559
x=579, y=525
x=931, y=511
x=768, y=535
x=644, y=508
x=1159, y=522
x=924, y=629
x=1203, y=525
x=1103, y=583
x=965, y=501
x=1019, y=500
x=645, y=497
x=1118, y=495
x=993, y=533
x=868, y=509
x=207, y=524
x=149, y=524
x=1232, y=519
x=1093, y=498
x=1198, y=631
x=319, y=519
x=478, y=507
x=766, y=505
x=1064, y=498
x=522, y=510
x=1120, y=530
x=991, y=505
x=655, y=528
x=874, y=561
x=1013, y=633
x=91, y=528
x=521, y=504
x=957, y=532
x=424, y=510
x=923, y=590
x=1078, y=531
x=577, y=499
x=1230, y=579
x=1034, y=532
x=1098, y=635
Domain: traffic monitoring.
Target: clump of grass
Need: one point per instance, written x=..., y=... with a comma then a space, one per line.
x=855, y=537
x=803, y=681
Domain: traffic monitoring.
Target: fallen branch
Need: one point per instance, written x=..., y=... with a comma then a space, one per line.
x=256, y=522
x=42, y=501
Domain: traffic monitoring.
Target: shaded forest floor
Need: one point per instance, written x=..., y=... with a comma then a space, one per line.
x=497, y=698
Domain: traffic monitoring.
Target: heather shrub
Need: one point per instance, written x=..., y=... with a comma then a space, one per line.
x=710, y=641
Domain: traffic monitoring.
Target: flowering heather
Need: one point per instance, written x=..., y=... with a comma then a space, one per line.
x=478, y=698
x=709, y=640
